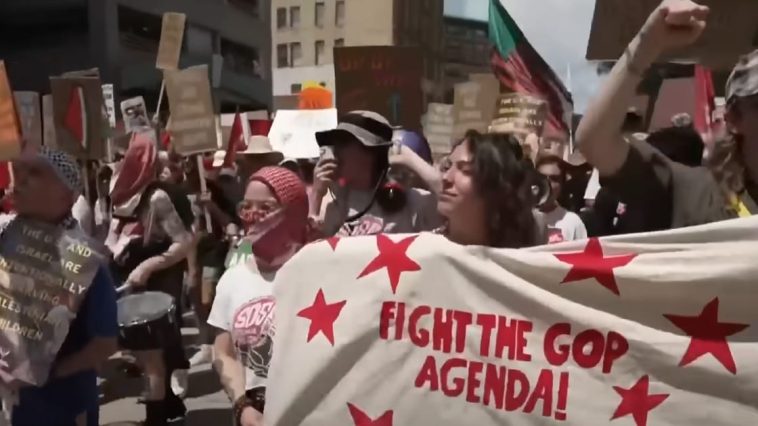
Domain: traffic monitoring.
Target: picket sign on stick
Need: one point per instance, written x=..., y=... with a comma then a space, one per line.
x=653, y=329
x=160, y=102
x=203, y=191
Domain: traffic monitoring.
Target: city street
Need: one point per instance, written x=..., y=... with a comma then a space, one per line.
x=207, y=403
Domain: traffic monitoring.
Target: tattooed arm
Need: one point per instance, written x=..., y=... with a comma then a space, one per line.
x=229, y=369
x=163, y=220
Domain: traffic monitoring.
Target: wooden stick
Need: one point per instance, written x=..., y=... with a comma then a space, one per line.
x=203, y=190
x=160, y=101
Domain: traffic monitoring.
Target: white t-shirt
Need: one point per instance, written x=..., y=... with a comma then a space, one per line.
x=244, y=306
x=419, y=215
x=563, y=225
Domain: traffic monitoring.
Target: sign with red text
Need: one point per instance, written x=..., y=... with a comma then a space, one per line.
x=384, y=79
x=656, y=329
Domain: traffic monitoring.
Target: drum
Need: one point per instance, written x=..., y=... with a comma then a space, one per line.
x=147, y=321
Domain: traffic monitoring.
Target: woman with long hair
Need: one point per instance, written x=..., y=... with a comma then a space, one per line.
x=486, y=194
x=274, y=215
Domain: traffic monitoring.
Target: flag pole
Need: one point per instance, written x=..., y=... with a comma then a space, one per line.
x=571, y=117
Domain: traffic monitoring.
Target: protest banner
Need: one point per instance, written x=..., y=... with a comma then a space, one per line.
x=10, y=128
x=439, y=127
x=45, y=272
x=489, y=94
x=384, y=79
x=48, y=122
x=468, y=109
x=193, y=124
x=293, y=132
x=519, y=113
x=29, y=114
x=78, y=114
x=172, y=36
x=416, y=330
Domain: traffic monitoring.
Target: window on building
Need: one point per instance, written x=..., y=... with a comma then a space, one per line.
x=138, y=30
x=282, y=56
x=296, y=54
x=320, y=11
x=199, y=41
x=294, y=16
x=320, y=52
x=339, y=42
x=339, y=13
x=281, y=17
x=296, y=88
x=240, y=58
x=251, y=7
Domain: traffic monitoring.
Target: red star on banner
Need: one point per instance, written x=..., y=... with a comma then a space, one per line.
x=708, y=335
x=361, y=419
x=322, y=317
x=392, y=255
x=333, y=242
x=637, y=401
x=591, y=263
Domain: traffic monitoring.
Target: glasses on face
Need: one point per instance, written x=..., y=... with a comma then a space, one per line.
x=264, y=207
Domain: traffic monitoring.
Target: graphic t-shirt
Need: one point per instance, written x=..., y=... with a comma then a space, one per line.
x=244, y=306
x=418, y=215
x=563, y=225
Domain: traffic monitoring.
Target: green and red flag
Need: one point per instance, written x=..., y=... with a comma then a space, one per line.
x=520, y=69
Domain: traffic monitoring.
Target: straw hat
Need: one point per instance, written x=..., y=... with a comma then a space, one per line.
x=261, y=145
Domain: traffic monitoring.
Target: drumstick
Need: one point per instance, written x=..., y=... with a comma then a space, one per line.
x=123, y=288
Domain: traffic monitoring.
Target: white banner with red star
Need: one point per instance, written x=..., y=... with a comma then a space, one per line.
x=653, y=329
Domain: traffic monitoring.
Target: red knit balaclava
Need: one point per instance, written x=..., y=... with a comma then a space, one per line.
x=278, y=236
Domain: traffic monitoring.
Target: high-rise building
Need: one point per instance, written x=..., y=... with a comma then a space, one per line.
x=467, y=51
x=304, y=34
x=120, y=37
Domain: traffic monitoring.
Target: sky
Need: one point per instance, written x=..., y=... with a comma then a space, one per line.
x=558, y=29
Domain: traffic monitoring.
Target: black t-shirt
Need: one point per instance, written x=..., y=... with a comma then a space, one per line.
x=665, y=194
x=212, y=248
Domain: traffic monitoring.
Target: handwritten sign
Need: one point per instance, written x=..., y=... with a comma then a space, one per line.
x=193, y=125
x=45, y=272
x=78, y=114
x=48, y=122
x=29, y=114
x=384, y=79
x=416, y=330
x=438, y=128
x=293, y=132
x=519, y=113
x=10, y=128
x=172, y=36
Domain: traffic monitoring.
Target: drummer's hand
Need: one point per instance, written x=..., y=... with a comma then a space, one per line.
x=138, y=277
x=251, y=417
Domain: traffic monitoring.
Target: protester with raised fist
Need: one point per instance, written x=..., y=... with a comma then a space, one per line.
x=672, y=195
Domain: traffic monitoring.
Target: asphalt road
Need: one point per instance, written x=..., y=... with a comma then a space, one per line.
x=206, y=402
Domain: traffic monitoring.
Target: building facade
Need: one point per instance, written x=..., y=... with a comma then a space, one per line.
x=304, y=35
x=467, y=51
x=121, y=37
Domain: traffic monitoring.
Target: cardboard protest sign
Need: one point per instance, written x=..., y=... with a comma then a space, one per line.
x=29, y=114
x=384, y=79
x=45, y=272
x=468, y=114
x=416, y=330
x=10, y=128
x=193, y=124
x=293, y=132
x=48, y=122
x=110, y=104
x=519, y=113
x=134, y=112
x=438, y=128
x=730, y=31
x=78, y=114
x=172, y=36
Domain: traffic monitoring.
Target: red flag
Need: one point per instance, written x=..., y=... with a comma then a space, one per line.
x=75, y=119
x=236, y=141
x=704, y=100
x=260, y=127
x=166, y=140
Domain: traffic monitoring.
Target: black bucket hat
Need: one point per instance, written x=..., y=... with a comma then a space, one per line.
x=369, y=128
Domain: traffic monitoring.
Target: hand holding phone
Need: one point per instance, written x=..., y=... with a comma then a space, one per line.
x=325, y=173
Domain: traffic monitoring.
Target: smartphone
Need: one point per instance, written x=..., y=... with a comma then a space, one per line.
x=327, y=153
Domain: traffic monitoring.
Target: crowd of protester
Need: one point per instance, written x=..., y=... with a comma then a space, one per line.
x=217, y=251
